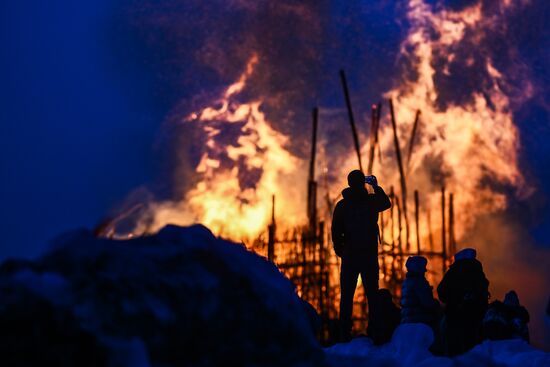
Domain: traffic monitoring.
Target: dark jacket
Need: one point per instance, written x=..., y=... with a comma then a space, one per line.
x=465, y=292
x=417, y=302
x=355, y=221
x=464, y=288
x=504, y=321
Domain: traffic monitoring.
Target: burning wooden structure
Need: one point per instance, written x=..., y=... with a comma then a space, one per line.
x=305, y=255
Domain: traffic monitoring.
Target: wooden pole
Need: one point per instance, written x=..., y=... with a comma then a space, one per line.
x=430, y=233
x=416, y=222
x=452, y=242
x=411, y=141
x=372, y=138
x=443, y=230
x=401, y=171
x=376, y=143
x=312, y=184
x=321, y=267
x=273, y=209
x=271, y=233
x=315, y=119
x=399, y=241
x=351, y=119
x=382, y=227
x=400, y=227
x=392, y=231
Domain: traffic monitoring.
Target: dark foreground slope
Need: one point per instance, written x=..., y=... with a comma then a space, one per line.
x=178, y=298
x=185, y=298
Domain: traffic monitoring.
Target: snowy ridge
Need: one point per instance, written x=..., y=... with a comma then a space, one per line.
x=186, y=298
x=409, y=347
x=181, y=297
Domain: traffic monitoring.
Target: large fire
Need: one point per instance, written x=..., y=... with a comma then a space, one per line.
x=468, y=148
x=224, y=200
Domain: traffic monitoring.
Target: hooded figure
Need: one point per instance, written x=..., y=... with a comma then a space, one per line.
x=355, y=238
x=417, y=302
x=506, y=320
x=464, y=290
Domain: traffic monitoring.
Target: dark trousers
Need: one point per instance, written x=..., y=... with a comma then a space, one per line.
x=352, y=266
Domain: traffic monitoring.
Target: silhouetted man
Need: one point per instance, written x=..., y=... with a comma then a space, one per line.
x=355, y=237
x=464, y=290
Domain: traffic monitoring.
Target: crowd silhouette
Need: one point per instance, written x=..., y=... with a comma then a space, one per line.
x=460, y=319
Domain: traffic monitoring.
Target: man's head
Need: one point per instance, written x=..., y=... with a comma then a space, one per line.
x=356, y=179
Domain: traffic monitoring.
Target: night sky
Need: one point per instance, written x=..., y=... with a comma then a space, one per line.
x=79, y=119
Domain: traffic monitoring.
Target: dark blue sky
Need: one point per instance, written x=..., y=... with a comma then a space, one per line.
x=87, y=86
x=78, y=119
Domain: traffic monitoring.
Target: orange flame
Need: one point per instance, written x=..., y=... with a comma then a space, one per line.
x=219, y=201
x=466, y=144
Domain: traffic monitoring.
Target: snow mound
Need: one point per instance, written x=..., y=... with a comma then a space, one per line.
x=409, y=347
x=181, y=297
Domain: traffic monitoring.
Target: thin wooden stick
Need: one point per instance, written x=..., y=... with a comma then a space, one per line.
x=401, y=171
x=452, y=242
x=376, y=143
x=372, y=137
x=312, y=184
x=430, y=233
x=411, y=141
x=392, y=217
x=271, y=232
x=351, y=119
x=416, y=216
x=443, y=230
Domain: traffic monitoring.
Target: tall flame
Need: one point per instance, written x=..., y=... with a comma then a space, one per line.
x=471, y=148
x=235, y=200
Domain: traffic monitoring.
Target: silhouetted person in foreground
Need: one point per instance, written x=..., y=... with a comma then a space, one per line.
x=355, y=237
x=465, y=292
x=388, y=318
x=417, y=302
x=506, y=320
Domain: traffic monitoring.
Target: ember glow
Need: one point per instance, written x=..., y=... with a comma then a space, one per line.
x=224, y=199
x=470, y=148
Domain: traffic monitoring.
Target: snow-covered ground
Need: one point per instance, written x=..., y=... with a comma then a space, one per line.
x=185, y=298
x=181, y=297
x=409, y=347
